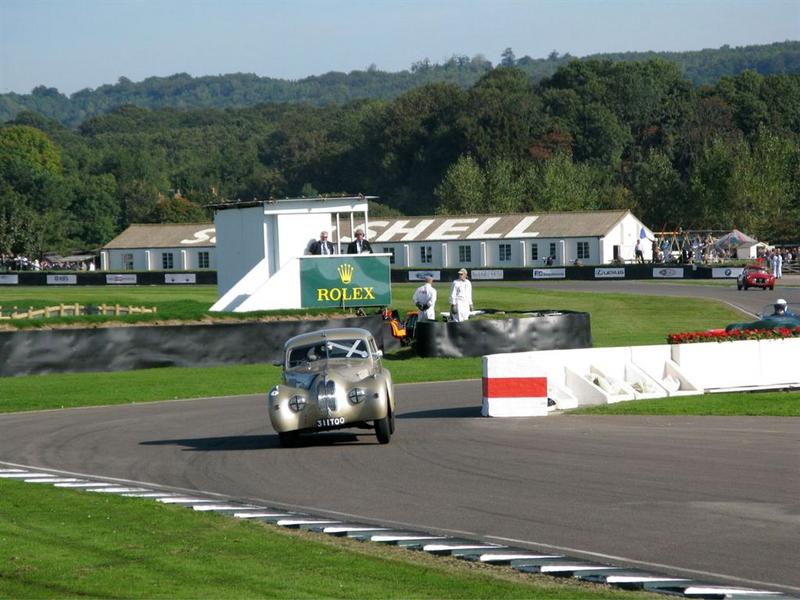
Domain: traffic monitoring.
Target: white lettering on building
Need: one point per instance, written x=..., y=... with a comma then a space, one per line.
x=519, y=229
x=204, y=235
x=372, y=233
x=482, y=230
x=399, y=227
x=450, y=229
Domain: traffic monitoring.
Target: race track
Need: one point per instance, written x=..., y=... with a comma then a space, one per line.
x=710, y=497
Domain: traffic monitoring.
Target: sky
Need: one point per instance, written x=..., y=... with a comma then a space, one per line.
x=76, y=44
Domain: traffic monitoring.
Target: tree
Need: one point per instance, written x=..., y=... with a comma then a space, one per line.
x=507, y=58
x=177, y=209
x=659, y=193
x=502, y=117
x=94, y=211
x=28, y=148
x=463, y=188
x=559, y=184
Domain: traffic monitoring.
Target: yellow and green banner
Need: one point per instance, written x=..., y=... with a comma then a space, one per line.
x=331, y=281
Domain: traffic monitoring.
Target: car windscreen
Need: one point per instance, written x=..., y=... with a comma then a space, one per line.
x=356, y=348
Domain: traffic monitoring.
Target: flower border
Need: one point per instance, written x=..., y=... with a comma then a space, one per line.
x=720, y=335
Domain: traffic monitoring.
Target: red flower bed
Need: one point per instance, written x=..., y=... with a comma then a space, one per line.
x=720, y=335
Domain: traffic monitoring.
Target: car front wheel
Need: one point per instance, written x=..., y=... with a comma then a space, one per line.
x=383, y=429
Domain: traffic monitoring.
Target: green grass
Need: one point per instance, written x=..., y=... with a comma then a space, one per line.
x=61, y=543
x=728, y=404
x=57, y=543
x=174, y=303
x=617, y=319
x=68, y=390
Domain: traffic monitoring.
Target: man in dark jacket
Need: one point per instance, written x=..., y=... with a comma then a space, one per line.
x=322, y=245
x=359, y=245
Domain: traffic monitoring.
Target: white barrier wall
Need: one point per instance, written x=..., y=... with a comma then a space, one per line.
x=534, y=383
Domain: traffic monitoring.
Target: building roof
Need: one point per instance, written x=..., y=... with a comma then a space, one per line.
x=481, y=227
x=437, y=228
x=332, y=200
x=165, y=235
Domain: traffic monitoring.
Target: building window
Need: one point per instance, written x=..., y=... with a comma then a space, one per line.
x=426, y=254
x=464, y=254
x=583, y=250
x=387, y=250
x=167, y=260
x=552, y=250
x=127, y=262
x=203, y=261
x=534, y=251
x=505, y=252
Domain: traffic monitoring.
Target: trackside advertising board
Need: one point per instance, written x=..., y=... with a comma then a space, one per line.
x=421, y=275
x=726, y=272
x=609, y=273
x=120, y=279
x=62, y=280
x=549, y=273
x=9, y=279
x=668, y=273
x=331, y=281
x=180, y=278
x=486, y=274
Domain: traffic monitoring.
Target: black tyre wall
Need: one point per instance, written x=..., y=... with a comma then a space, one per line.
x=491, y=336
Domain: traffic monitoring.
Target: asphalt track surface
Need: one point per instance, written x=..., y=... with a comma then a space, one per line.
x=714, y=498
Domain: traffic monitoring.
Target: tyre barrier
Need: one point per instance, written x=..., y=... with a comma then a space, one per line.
x=533, y=330
x=142, y=347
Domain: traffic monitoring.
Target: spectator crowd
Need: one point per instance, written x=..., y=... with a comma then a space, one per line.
x=23, y=263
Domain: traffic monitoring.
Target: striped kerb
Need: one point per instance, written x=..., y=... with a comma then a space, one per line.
x=515, y=387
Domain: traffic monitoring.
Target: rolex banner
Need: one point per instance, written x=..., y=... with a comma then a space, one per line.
x=330, y=281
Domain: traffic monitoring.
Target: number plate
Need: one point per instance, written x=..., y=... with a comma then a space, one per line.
x=330, y=422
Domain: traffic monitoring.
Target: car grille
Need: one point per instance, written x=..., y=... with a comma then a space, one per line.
x=326, y=396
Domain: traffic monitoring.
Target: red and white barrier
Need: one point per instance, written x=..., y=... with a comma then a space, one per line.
x=520, y=383
x=514, y=396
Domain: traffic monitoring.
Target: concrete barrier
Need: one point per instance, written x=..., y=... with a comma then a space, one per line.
x=590, y=376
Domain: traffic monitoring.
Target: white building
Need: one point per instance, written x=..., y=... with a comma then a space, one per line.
x=161, y=247
x=470, y=241
x=518, y=240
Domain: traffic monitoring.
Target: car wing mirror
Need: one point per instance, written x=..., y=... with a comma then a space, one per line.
x=277, y=363
x=377, y=354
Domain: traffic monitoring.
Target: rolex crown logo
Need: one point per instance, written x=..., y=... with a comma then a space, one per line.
x=345, y=273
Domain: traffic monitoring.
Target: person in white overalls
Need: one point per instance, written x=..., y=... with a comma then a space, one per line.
x=461, y=297
x=425, y=300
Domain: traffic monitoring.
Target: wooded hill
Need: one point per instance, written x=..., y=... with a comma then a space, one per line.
x=594, y=135
x=241, y=90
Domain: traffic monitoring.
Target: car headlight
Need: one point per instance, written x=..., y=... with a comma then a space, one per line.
x=273, y=392
x=297, y=403
x=356, y=395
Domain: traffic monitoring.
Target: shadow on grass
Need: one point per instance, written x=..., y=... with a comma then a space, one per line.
x=402, y=354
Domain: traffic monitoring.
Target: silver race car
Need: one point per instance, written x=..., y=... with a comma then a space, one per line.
x=332, y=379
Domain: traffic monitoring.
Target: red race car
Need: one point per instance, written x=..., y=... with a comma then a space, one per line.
x=755, y=276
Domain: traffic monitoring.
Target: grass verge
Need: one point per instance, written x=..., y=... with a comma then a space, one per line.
x=728, y=404
x=70, y=390
x=57, y=543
